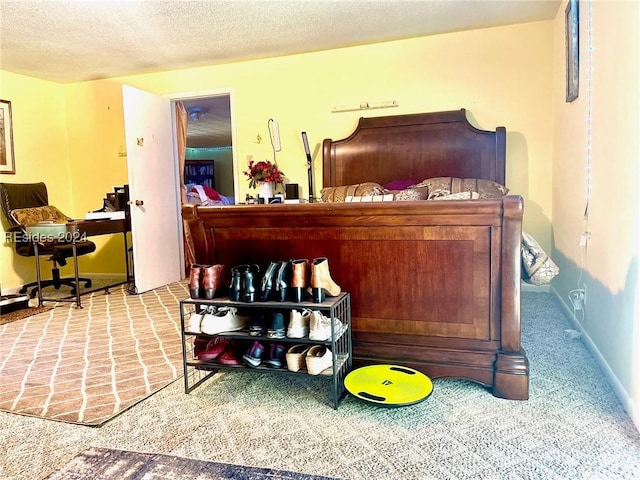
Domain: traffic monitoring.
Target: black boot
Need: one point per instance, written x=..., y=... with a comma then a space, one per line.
x=282, y=282
x=268, y=280
x=249, y=283
x=235, y=287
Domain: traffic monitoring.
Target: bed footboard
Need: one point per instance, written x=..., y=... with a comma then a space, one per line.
x=434, y=286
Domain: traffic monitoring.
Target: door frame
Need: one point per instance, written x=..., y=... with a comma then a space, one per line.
x=216, y=92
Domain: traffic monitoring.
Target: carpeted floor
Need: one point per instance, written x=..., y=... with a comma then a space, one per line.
x=572, y=427
x=87, y=365
x=97, y=284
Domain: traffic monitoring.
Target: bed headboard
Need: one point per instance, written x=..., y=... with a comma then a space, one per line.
x=414, y=147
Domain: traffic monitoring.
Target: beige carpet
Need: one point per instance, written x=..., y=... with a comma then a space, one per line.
x=88, y=365
x=572, y=427
x=97, y=283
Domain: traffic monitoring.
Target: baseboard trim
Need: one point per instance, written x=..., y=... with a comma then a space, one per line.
x=528, y=287
x=119, y=277
x=623, y=396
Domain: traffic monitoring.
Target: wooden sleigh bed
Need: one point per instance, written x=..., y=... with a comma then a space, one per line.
x=435, y=285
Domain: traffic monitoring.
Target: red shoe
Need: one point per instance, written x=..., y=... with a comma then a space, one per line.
x=200, y=345
x=214, y=349
x=230, y=357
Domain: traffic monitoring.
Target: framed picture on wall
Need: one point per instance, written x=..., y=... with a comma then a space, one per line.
x=7, y=160
x=571, y=28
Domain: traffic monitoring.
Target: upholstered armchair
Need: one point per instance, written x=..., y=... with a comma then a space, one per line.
x=25, y=204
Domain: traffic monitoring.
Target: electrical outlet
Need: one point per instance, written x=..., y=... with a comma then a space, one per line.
x=584, y=238
x=578, y=298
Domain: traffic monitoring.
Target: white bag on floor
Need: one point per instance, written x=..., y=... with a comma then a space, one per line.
x=538, y=268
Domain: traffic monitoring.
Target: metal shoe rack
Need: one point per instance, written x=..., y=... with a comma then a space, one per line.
x=197, y=371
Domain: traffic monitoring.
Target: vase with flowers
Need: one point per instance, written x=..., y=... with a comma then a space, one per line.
x=265, y=176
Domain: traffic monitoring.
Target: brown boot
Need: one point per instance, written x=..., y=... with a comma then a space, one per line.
x=212, y=280
x=321, y=282
x=195, y=281
x=299, y=272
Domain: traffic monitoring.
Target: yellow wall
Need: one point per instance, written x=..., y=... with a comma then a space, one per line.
x=610, y=260
x=97, y=161
x=502, y=76
x=41, y=154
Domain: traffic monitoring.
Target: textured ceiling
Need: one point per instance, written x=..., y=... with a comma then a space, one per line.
x=78, y=40
x=213, y=130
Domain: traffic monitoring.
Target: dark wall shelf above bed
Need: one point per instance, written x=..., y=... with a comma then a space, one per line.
x=201, y=172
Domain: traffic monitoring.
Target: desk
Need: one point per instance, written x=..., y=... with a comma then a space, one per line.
x=73, y=232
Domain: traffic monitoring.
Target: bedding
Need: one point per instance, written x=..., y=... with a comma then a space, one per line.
x=434, y=285
x=339, y=194
x=411, y=194
x=443, y=186
x=205, y=196
x=440, y=188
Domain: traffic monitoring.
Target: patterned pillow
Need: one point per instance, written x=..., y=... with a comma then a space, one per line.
x=339, y=194
x=459, y=196
x=412, y=194
x=33, y=215
x=400, y=184
x=439, y=186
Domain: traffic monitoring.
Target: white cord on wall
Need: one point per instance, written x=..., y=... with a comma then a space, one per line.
x=578, y=296
x=586, y=234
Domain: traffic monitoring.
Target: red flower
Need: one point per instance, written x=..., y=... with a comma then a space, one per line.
x=263, y=171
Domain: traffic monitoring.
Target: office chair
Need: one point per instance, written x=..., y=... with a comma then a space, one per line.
x=26, y=204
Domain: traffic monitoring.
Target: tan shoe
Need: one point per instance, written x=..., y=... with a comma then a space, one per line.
x=298, y=323
x=296, y=356
x=321, y=283
x=319, y=358
x=299, y=274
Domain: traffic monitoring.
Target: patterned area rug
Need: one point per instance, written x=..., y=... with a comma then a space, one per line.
x=88, y=365
x=106, y=464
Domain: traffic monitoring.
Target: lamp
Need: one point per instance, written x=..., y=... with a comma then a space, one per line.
x=196, y=113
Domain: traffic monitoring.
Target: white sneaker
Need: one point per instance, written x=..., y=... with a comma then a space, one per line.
x=298, y=323
x=224, y=320
x=193, y=325
x=320, y=327
x=195, y=319
x=319, y=358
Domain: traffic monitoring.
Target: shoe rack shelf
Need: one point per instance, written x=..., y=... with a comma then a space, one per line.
x=197, y=371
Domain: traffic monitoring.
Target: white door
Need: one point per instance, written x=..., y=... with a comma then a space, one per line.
x=153, y=189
